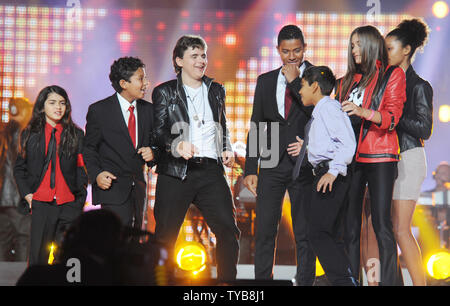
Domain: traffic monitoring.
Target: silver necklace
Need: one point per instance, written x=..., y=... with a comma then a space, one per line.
x=196, y=116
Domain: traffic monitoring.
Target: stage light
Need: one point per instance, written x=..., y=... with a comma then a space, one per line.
x=230, y=39
x=51, y=256
x=444, y=113
x=124, y=37
x=191, y=257
x=440, y=9
x=319, y=269
x=438, y=266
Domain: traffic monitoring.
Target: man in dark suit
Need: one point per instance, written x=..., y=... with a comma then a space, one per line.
x=117, y=143
x=277, y=127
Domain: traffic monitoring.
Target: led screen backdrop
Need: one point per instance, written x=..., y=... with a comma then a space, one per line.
x=74, y=48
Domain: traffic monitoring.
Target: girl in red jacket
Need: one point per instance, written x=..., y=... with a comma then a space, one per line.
x=373, y=93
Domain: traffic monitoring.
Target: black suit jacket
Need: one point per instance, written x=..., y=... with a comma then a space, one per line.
x=28, y=171
x=108, y=147
x=265, y=110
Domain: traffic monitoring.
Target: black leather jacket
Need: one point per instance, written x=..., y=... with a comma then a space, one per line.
x=416, y=123
x=170, y=109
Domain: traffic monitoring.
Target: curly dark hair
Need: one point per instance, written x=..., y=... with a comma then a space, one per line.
x=122, y=69
x=412, y=32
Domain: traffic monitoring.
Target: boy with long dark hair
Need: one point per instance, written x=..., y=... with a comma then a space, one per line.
x=49, y=171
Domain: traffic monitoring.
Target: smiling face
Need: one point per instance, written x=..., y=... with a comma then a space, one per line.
x=135, y=88
x=193, y=64
x=291, y=51
x=54, y=108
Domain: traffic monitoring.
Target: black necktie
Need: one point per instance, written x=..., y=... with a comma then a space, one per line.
x=52, y=154
x=298, y=163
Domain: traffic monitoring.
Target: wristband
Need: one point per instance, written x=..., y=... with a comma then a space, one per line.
x=372, y=113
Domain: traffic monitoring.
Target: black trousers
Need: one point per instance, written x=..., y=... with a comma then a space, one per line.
x=325, y=218
x=272, y=186
x=130, y=212
x=380, y=179
x=206, y=187
x=49, y=222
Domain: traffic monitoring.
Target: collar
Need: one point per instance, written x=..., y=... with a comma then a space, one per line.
x=49, y=128
x=409, y=72
x=124, y=104
x=182, y=94
x=319, y=105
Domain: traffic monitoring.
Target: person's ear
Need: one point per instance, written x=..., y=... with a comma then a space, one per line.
x=179, y=62
x=315, y=86
x=407, y=50
x=123, y=84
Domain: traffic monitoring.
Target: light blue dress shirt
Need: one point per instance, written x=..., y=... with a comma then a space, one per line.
x=331, y=137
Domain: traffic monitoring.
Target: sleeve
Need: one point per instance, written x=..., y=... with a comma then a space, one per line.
x=340, y=129
x=82, y=178
x=226, y=133
x=393, y=99
x=421, y=124
x=21, y=175
x=252, y=148
x=161, y=137
x=91, y=144
x=151, y=142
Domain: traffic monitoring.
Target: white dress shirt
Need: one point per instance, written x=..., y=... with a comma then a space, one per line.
x=281, y=89
x=124, y=106
x=201, y=135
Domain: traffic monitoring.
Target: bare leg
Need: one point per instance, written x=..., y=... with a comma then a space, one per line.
x=402, y=214
x=370, y=258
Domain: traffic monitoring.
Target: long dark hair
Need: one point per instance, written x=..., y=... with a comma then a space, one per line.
x=69, y=141
x=373, y=49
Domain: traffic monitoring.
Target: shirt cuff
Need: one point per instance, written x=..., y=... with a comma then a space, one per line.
x=336, y=172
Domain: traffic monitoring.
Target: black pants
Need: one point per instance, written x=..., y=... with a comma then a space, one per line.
x=380, y=178
x=206, y=187
x=325, y=217
x=130, y=212
x=14, y=234
x=49, y=221
x=272, y=186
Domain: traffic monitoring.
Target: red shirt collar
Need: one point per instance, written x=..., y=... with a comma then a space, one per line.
x=49, y=128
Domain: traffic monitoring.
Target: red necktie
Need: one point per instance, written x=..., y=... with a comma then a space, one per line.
x=132, y=125
x=287, y=102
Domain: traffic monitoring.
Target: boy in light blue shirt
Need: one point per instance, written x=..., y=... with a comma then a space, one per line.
x=331, y=144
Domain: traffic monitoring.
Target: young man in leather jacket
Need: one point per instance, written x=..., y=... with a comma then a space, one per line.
x=193, y=146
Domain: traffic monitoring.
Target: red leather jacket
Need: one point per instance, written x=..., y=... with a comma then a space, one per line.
x=379, y=142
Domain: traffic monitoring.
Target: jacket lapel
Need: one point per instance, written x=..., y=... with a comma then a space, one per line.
x=141, y=119
x=272, y=89
x=117, y=116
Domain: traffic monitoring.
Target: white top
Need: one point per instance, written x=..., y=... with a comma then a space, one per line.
x=281, y=89
x=357, y=96
x=202, y=127
x=124, y=106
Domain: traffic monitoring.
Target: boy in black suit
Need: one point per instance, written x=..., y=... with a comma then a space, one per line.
x=117, y=143
x=278, y=103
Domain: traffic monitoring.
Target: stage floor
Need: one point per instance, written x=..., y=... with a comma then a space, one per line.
x=11, y=271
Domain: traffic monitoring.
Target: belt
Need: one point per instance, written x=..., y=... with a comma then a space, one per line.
x=319, y=167
x=202, y=161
